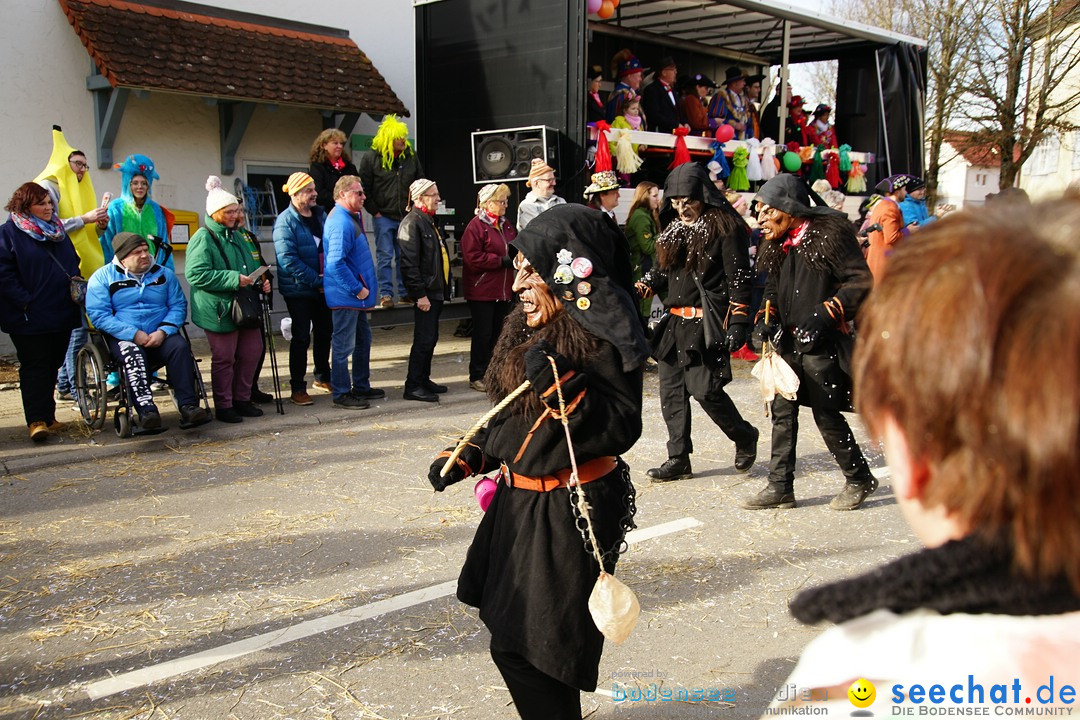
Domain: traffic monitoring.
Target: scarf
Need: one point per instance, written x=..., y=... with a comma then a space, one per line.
x=795, y=236
x=634, y=121
x=338, y=164
x=41, y=230
x=971, y=575
x=491, y=218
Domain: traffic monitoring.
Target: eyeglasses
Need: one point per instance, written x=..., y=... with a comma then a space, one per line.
x=500, y=202
x=79, y=165
x=361, y=193
x=431, y=194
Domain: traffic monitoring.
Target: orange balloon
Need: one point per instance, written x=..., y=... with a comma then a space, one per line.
x=607, y=9
x=615, y=3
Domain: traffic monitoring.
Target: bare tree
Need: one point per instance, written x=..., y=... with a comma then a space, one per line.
x=822, y=77
x=1022, y=88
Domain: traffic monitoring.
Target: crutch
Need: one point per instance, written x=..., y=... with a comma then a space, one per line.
x=268, y=333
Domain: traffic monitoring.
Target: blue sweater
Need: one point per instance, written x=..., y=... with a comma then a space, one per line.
x=349, y=267
x=35, y=293
x=120, y=304
x=297, y=253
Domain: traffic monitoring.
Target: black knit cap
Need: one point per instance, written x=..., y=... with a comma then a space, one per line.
x=789, y=193
x=124, y=243
x=611, y=312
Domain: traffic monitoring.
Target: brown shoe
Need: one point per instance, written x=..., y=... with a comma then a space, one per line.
x=38, y=431
x=321, y=385
x=57, y=426
x=386, y=302
x=478, y=385
x=300, y=397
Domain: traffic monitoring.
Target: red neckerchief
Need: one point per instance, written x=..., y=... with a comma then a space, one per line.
x=423, y=209
x=795, y=236
x=492, y=217
x=338, y=164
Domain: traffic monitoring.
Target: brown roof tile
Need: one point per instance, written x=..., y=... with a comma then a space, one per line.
x=158, y=48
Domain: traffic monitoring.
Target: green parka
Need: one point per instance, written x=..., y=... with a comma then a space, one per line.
x=216, y=256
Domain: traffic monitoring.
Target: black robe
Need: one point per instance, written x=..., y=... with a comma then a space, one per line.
x=826, y=264
x=527, y=569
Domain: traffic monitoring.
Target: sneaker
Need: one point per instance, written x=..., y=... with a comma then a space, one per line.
x=478, y=386
x=158, y=386
x=853, y=494
x=350, y=402
x=369, y=394
x=300, y=397
x=676, y=468
x=321, y=385
x=193, y=415
x=64, y=396
x=228, y=415
x=258, y=396
x=247, y=409
x=386, y=302
x=435, y=387
x=746, y=454
x=39, y=431
x=771, y=498
x=149, y=417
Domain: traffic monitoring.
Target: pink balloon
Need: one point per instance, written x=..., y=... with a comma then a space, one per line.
x=593, y=6
x=724, y=133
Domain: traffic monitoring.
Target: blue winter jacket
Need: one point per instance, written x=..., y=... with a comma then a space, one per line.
x=35, y=292
x=119, y=303
x=349, y=267
x=915, y=212
x=297, y=254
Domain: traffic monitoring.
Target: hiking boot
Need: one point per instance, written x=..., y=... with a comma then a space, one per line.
x=386, y=302
x=247, y=409
x=192, y=415
x=853, y=494
x=300, y=397
x=321, y=384
x=56, y=426
x=350, y=402
x=478, y=386
x=676, y=468
x=770, y=498
x=39, y=431
x=746, y=454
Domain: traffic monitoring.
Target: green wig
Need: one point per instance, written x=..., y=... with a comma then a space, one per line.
x=390, y=129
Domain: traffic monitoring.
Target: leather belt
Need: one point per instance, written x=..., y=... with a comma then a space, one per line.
x=587, y=472
x=687, y=312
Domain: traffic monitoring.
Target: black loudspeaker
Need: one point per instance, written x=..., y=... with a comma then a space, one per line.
x=507, y=154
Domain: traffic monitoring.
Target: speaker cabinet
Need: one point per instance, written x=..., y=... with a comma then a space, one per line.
x=506, y=155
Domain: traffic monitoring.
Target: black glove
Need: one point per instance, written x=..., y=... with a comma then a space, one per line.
x=439, y=482
x=768, y=333
x=736, y=337
x=507, y=262
x=538, y=371
x=810, y=331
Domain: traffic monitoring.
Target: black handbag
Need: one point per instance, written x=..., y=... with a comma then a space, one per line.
x=247, y=307
x=76, y=284
x=714, y=317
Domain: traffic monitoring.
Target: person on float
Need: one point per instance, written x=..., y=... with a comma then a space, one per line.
x=541, y=195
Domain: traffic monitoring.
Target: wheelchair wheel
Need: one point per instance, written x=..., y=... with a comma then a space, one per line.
x=122, y=422
x=90, y=374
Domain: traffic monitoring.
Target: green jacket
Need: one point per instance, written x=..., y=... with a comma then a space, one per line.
x=641, y=232
x=215, y=258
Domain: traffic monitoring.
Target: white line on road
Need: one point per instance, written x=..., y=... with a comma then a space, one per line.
x=230, y=651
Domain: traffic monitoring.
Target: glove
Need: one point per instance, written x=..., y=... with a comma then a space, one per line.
x=768, y=333
x=439, y=482
x=736, y=337
x=810, y=331
x=538, y=371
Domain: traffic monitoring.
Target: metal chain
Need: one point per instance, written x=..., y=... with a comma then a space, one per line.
x=626, y=523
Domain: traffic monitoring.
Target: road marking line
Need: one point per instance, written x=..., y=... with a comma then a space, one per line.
x=230, y=651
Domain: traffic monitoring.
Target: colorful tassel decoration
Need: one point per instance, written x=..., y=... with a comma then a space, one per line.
x=739, y=159
x=753, y=167
x=832, y=171
x=720, y=159
x=817, y=166
x=682, y=154
x=626, y=155
x=603, y=151
x=768, y=159
x=845, y=158
x=856, y=181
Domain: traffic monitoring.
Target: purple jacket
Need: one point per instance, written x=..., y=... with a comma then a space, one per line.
x=487, y=274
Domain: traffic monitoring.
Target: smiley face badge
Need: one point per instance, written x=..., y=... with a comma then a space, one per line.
x=862, y=693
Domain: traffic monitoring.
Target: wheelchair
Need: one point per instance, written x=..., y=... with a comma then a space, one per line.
x=93, y=365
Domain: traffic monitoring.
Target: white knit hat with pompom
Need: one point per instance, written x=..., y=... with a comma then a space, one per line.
x=218, y=196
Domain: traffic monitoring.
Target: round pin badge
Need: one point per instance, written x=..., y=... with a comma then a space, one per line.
x=568, y=296
x=584, y=288
x=564, y=256
x=582, y=267
x=564, y=275
x=584, y=303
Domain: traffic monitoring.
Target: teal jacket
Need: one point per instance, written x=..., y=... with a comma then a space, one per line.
x=216, y=256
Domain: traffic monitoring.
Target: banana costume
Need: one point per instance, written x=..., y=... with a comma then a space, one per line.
x=76, y=198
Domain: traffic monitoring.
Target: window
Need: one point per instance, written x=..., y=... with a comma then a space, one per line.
x=980, y=179
x=1044, y=160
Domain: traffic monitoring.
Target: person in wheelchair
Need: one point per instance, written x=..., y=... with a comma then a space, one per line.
x=140, y=307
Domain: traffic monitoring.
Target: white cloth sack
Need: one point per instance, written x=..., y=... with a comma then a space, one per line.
x=776, y=377
x=614, y=608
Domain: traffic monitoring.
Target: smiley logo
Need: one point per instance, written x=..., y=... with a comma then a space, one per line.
x=862, y=693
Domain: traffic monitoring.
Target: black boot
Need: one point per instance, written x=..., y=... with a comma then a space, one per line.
x=746, y=454
x=676, y=468
x=853, y=494
x=771, y=497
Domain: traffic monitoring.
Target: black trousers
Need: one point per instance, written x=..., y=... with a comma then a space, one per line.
x=536, y=695
x=40, y=357
x=425, y=336
x=138, y=362
x=487, y=322
x=311, y=320
x=677, y=386
x=836, y=433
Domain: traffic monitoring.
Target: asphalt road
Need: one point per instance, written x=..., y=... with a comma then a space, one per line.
x=301, y=567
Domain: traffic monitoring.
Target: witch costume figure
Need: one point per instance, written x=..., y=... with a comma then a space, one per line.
x=817, y=281
x=703, y=264
x=530, y=569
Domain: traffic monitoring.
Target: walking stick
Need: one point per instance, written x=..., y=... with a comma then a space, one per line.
x=268, y=333
x=479, y=424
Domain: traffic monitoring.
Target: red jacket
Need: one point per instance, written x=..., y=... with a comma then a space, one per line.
x=487, y=275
